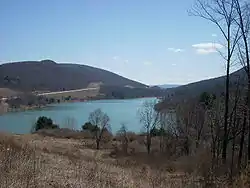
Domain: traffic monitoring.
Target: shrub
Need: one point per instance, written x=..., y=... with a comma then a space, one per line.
x=130, y=135
x=93, y=130
x=158, y=132
x=45, y=123
x=89, y=127
x=107, y=136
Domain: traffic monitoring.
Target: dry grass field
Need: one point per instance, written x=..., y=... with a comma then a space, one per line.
x=44, y=161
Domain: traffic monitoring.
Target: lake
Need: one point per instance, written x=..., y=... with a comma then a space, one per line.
x=119, y=111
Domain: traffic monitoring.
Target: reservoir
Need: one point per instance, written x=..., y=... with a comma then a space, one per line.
x=75, y=114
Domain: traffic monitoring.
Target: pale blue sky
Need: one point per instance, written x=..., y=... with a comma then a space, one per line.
x=152, y=41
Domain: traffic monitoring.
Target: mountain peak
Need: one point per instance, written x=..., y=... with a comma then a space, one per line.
x=48, y=61
x=51, y=76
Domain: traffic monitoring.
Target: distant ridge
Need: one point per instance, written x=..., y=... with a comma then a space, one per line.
x=47, y=75
x=214, y=85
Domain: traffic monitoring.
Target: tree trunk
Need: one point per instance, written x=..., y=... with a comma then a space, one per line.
x=242, y=139
x=248, y=109
x=245, y=34
x=161, y=144
x=186, y=146
x=246, y=113
x=97, y=144
x=235, y=126
x=148, y=143
x=218, y=151
x=213, y=151
x=225, y=137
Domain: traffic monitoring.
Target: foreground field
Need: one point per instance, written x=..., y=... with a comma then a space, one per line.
x=41, y=161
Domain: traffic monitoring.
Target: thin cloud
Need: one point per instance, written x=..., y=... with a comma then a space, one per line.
x=206, y=51
x=173, y=64
x=115, y=58
x=207, y=48
x=119, y=59
x=176, y=50
x=147, y=63
x=208, y=45
x=214, y=35
x=179, y=50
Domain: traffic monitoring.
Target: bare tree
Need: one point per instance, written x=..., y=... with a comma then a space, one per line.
x=150, y=119
x=215, y=124
x=70, y=123
x=163, y=128
x=101, y=122
x=124, y=137
x=243, y=20
x=222, y=13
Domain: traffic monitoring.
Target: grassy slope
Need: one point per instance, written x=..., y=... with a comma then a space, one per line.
x=42, y=161
x=57, y=162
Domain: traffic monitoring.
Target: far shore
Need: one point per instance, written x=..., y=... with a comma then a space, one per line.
x=37, y=107
x=26, y=108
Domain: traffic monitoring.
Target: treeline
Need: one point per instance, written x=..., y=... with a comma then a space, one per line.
x=29, y=99
x=190, y=129
x=220, y=121
x=98, y=124
x=26, y=99
x=120, y=92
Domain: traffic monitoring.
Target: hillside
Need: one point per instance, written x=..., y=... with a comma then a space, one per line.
x=124, y=92
x=166, y=86
x=48, y=75
x=214, y=85
x=6, y=92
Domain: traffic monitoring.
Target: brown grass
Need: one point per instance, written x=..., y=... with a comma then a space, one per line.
x=243, y=180
x=42, y=161
x=19, y=165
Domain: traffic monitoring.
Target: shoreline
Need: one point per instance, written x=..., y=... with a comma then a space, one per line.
x=38, y=107
x=23, y=109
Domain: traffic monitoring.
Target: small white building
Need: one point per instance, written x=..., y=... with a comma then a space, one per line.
x=3, y=107
x=3, y=99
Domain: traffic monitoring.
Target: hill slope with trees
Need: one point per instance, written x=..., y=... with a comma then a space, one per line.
x=214, y=85
x=48, y=75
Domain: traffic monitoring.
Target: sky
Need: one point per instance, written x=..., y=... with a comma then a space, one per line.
x=154, y=42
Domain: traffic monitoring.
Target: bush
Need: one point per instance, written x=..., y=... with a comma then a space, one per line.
x=92, y=129
x=45, y=123
x=89, y=127
x=158, y=132
x=130, y=135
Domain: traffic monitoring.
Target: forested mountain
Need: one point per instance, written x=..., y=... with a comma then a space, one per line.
x=214, y=85
x=51, y=76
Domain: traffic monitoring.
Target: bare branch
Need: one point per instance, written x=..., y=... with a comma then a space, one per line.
x=150, y=119
x=101, y=121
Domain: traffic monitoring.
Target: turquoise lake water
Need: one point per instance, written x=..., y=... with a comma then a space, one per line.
x=119, y=111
